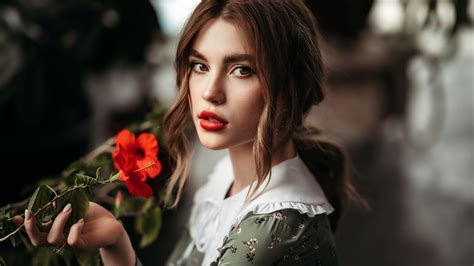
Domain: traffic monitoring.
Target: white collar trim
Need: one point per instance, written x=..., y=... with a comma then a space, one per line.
x=291, y=186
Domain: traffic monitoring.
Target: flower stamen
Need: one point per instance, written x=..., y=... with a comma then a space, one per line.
x=148, y=165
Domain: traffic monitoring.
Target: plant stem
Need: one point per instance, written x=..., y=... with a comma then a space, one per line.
x=104, y=147
x=57, y=197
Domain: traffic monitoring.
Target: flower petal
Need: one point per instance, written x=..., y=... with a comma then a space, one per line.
x=123, y=176
x=148, y=143
x=123, y=160
x=151, y=171
x=155, y=170
x=127, y=140
x=138, y=188
x=120, y=160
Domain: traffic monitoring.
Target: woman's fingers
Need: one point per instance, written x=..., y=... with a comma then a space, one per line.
x=37, y=238
x=47, y=226
x=18, y=220
x=56, y=236
x=74, y=238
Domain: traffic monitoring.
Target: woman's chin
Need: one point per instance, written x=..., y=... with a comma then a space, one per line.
x=212, y=144
x=213, y=147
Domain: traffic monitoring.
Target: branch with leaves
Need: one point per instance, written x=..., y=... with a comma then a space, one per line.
x=126, y=161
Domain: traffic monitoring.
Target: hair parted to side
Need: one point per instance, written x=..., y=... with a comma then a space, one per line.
x=284, y=36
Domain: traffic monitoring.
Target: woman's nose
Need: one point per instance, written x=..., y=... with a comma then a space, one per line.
x=214, y=92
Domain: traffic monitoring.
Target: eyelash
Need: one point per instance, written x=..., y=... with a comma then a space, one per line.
x=249, y=69
x=193, y=67
x=195, y=64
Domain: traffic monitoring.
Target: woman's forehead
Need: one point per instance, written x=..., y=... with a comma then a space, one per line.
x=221, y=36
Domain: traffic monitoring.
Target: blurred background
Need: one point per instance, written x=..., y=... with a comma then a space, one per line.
x=399, y=96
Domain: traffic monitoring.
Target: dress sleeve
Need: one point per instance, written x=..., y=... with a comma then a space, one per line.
x=192, y=258
x=285, y=237
x=138, y=262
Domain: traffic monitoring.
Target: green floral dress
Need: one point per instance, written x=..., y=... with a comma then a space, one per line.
x=286, y=224
x=284, y=237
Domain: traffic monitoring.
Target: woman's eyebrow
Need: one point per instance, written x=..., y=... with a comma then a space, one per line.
x=197, y=54
x=231, y=58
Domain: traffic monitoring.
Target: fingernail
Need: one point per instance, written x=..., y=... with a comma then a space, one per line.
x=81, y=221
x=27, y=214
x=67, y=208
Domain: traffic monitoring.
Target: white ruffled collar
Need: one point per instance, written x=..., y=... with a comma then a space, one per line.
x=213, y=215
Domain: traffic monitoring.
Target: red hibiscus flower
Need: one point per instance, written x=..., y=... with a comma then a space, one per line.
x=144, y=149
x=130, y=173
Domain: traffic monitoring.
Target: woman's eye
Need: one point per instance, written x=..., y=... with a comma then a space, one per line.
x=242, y=71
x=198, y=67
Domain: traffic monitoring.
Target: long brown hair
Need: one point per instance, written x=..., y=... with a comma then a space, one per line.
x=289, y=66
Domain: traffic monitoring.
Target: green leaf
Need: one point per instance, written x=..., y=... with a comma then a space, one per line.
x=161, y=197
x=2, y=217
x=87, y=258
x=42, y=195
x=2, y=227
x=147, y=205
x=2, y=262
x=69, y=181
x=79, y=203
x=67, y=255
x=97, y=173
x=84, y=180
x=118, y=212
x=148, y=225
x=8, y=227
x=15, y=240
x=132, y=204
x=42, y=257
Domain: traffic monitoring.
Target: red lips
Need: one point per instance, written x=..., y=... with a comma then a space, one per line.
x=211, y=121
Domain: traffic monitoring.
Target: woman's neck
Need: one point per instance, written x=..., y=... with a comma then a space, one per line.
x=243, y=163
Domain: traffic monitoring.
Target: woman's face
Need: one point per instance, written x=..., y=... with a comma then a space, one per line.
x=225, y=93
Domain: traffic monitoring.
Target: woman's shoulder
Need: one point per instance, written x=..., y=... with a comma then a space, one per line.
x=291, y=186
x=291, y=181
x=282, y=237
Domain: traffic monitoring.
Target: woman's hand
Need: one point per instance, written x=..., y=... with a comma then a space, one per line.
x=98, y=230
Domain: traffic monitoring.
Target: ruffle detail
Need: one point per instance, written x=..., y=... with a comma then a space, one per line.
x=303, y=208
x=205, y=222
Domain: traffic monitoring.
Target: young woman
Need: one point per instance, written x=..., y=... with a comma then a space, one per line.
x=248, y=72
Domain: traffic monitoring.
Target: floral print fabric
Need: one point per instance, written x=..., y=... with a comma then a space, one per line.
x=284, y=237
